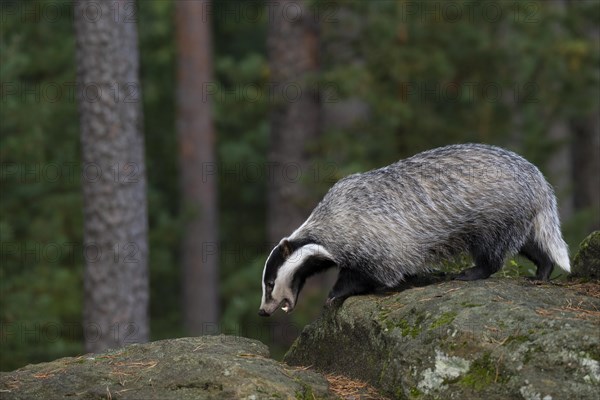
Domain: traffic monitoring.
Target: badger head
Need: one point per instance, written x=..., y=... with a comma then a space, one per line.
x=288, y=266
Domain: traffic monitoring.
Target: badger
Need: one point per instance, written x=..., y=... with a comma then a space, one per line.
x=379, y=227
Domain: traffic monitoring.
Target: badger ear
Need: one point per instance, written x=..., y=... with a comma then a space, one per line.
x=286, y=248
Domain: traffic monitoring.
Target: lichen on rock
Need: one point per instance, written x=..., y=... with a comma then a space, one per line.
x=445, y=368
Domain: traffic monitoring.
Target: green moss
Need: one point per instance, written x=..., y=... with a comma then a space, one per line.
x=516, y=339
x=592, y=239
x=383, y=314
x=470, y=305
x=482, y=373
x=444, y=319
x=408, y=329
x=306, y=393
x=415, y=392
x=585, y=263
x=531, y=351
x=456, y=264
x=594, y=354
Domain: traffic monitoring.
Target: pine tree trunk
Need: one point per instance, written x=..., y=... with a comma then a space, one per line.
x=585, y=148
x=560, y=167
x=293, y=56
x=292, y=42
x=114, y=176
x=197, y=163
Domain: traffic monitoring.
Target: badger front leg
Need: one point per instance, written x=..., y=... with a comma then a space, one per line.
x=349, y=283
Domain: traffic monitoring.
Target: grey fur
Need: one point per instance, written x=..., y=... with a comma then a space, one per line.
x=405, y=218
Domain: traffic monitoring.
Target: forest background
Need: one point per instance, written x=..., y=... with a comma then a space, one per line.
x=388, y=79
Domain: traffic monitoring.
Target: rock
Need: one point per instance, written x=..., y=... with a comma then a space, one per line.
x=586, y=263
x=208, y=367
x=493, y=339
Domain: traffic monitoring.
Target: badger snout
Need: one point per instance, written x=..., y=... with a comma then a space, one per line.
x=266, y=311
x=263, y=313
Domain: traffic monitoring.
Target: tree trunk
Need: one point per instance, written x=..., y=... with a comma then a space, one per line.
x=585, y=148
x=560, y=167
x=292, y=44
x=293, y=56
x=114, y=176
x=197, y=162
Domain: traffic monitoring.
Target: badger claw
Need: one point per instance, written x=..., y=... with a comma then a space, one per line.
x=333, y=302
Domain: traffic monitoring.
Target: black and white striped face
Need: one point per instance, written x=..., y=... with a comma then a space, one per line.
x=287, y=268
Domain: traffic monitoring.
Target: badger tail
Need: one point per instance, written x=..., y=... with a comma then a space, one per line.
x=546, y=230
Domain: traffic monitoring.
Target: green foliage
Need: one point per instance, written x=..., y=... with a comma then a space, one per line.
x=501, y=80
x=157, y=75
x=40, y=211
x=241, y=107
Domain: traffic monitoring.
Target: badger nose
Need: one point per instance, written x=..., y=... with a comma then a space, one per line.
x=263, y=313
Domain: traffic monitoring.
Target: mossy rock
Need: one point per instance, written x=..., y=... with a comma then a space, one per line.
x=586, y=263
x=493, y=339
x=208, y=367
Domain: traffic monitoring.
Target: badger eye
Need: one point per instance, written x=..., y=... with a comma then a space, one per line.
x=270, y=285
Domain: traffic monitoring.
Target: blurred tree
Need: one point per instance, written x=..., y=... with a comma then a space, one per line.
x=586, y=164
x=585, y=123
x=293, y=49
x=197, y=167
x=156, y=27
x=295, y=117
x=116, y=289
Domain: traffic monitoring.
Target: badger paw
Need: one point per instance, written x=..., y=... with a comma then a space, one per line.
x=534, y=280
x=473, y=274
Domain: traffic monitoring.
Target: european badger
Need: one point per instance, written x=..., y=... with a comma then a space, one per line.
x=380, y=226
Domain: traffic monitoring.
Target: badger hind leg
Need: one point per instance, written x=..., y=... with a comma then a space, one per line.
x=535, y=254
x=349, y=283
x=487, y=262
